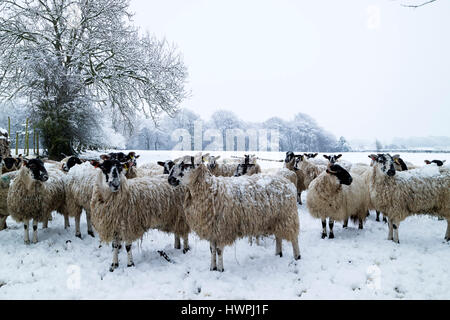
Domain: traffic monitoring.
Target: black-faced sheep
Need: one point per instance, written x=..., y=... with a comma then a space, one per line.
x=124, y=209
x=34, y=194
x=334, y=194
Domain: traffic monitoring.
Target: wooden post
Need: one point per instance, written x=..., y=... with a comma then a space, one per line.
x=37, y=143
x=9, y=127
x=17, y=143
x=34, y=140
x=26, y=146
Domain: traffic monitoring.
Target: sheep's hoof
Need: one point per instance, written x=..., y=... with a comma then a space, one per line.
x=298, y=257
x=324, y=235
x=279, y=254
x=113, y=267
x=27, y=241
x=384, y=220
x=213, y=269
x=377, y=219
x=130, y=265
x=331, y=236
x=447, y=239
x=221, y=270
x=91, y=233
x=79, y=236
x=185, y=250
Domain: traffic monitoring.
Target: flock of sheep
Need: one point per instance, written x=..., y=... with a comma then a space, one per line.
x=220, y=201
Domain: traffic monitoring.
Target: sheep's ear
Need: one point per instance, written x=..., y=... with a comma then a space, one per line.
x=328, y=157
x=374, y=157
x=160, y=163
x=315, y=154
x=339, y=155
x=427, y=161
x=25, y=162
x=443, y=161
x=218, y=157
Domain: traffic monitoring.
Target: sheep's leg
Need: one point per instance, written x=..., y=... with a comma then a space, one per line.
x=35, y=231
x=213, y=249
x=278, y=246
x=368, y=213
x=177, y=244
x=219, y=250
x=3, y=223
x=384, y=219
x=299, y=198
x=115, y=263
x=331, y=225
x=391, y=230
x=186, y=247
x=66, y=221
x=257, y=240
x=45, y=223
x=295, y=249
x=324, y=228
x=89, y=224
x=250, y=240
x=395, y=226
x=345, y=223
x=129, y=254
x=447, y=234
x=378, y=216
x=77, y=226
x=361, y=225
x=26, y=234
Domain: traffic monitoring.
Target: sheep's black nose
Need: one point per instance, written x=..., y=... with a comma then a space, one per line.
x=391, y=172
x=173, y=181
x=44, y=177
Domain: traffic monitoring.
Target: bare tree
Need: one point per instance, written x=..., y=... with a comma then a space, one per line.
x=418, y=5
x=93, y=48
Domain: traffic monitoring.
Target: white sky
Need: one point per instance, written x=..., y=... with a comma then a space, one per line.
x=358, y=73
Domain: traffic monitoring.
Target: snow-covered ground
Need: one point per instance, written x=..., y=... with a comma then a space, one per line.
x=357, y=264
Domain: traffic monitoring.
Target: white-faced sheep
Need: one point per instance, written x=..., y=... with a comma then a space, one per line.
x=124, y=209
x=223, y=209
x=402, y=194
x=34, y=194
x=289, y=163
x=334, y=194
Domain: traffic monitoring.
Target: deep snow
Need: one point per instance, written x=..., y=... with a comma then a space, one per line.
x=357, y=264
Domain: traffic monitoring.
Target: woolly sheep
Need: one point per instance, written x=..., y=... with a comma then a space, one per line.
x=289, y=163
x=310, y=170
x=34, y=194
x=399, y=195
x=335, y=195
x=12, y=163
x=124, y=209
x=223, y=209
x=5, y=181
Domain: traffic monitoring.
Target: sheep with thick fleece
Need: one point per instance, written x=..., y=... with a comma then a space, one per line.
x=223, y=209
x=5, y=181
x=220, y=169
x=336, y=195
x=34, y=194
x=310, y=170
x=289, y=163
x=402, y=194
x=124, y=209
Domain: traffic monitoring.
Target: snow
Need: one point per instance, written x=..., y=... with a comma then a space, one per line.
x=356, y=264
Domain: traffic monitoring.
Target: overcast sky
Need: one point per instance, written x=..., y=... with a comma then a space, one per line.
x=362, y=69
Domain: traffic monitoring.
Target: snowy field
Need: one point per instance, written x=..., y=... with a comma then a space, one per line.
x=357, y=264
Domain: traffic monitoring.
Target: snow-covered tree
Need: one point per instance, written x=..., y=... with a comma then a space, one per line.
x=95, y=62
x=343, y=145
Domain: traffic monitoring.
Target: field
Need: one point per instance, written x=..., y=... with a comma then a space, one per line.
x=357, y=264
